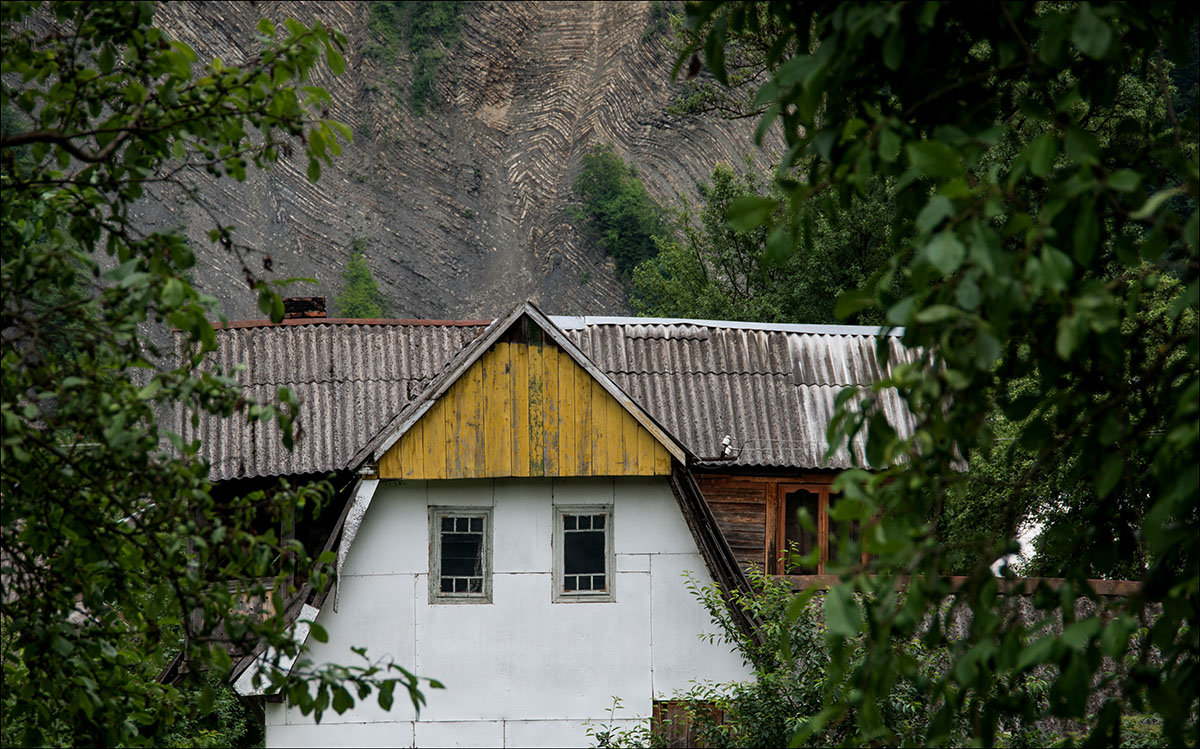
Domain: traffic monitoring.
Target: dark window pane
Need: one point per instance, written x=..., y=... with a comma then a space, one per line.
x=585, y=582
x=583, y=552
x=598, y=582
x=569, y=582
x=477, y=525
x=462, y=554
x=476, y=585
x=598, y=522
x=569, y=522
x=448, y=524
x=798, y=538
x=585, y=522
x=462, y=525
x=447, y=585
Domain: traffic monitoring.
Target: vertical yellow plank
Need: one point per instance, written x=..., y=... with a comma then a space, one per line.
x=646, y=443
x=550, y=409
x=410, y=452
x=537, y=435
x=520, y=418
x=497, y=412
x=434, y=437
x=567, y=462
x=583, y=421
x=662, y=461
x=629, y=442
x=472, y=421
x=453, y=421
x=615, y=447
x=599, y=430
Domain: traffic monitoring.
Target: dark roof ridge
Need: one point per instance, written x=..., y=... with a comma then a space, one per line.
x=238, y=324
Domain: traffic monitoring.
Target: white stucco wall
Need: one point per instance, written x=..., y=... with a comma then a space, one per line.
x=522, y=670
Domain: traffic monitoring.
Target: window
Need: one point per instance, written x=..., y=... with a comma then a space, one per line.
x=583, y=556
x=793, y=539
x=460, y=555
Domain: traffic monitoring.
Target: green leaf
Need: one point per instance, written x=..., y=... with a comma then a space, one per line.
x=337, y=63
x=750, y=212
x=342, y=701
x=1087, y=233
x=1082, y=147
x=938, y=313
x=843, y=618
x=1109, y=475
x=780, y=245
x=1037, y=653
x=318, y=632
x=933, y=159
x=850, y=302
x=1151, y=205
x=945, y=252
x=1040, y=153
x=61, y=645
x=1124, y=180
x=1091, y=34
x=889, y=145
x=934, y=212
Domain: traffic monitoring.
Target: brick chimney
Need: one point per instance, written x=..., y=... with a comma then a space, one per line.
x=303, y=306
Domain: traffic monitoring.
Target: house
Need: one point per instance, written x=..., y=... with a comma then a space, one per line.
x=526, y=500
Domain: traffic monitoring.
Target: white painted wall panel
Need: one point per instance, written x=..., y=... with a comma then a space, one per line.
x=375, y=612
x=582, y=491
x=523, y=524
x=678, y=620
x=396, y=734
x=543, y=660
x=648, y=519
x=383, y=544
x=521, y=670
x=473, y=733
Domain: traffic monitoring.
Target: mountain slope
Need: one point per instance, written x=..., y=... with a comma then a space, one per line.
x=463, y=210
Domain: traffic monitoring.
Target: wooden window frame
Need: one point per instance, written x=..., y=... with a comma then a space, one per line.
x=559, y=549
x=778, y=510
x=436, y=595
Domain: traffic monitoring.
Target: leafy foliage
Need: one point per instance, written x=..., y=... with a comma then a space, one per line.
x=717, y=271
x=429, y=28
x=117, y=553
x=617, y=209
x=360, y=297
x=1025, y=282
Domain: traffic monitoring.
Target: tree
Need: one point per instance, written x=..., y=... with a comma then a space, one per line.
x=1030, y=252
x=617, y=209
x=712, y=270
x=115, y=553
x=360, y=295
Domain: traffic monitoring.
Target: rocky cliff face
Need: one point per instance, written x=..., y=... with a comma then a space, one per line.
x=463, y=210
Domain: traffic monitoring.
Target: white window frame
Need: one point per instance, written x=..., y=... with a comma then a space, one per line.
x=436, y=514
x=561, y=596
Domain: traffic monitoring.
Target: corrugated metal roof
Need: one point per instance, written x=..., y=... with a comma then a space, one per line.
x=350, y=379
x=770, y=387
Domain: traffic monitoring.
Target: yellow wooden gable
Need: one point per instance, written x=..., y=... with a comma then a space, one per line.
x=525, y=408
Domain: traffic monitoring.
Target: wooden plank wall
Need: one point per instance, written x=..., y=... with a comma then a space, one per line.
x=525, y=409
x=747, y=510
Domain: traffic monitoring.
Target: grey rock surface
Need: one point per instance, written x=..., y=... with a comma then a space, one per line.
x=464, y=210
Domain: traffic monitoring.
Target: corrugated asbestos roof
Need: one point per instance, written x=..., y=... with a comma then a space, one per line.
x=350, y=378
x=770, y=387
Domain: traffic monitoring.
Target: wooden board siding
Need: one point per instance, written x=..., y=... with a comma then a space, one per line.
x=747, y=510
x=525, y=409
